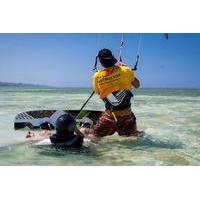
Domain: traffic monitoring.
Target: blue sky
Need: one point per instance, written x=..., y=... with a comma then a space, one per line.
x=67, y=59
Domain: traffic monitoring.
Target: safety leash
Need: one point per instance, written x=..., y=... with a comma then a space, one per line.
x=120, y=48
x=120, y=60
x=138, y=53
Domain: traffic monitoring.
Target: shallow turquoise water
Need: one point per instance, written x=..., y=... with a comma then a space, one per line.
x=170, y=118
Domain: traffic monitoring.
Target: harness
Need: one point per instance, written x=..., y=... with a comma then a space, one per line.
x=117, y=102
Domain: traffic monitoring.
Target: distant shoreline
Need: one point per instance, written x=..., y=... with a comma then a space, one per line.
x=28, y=85
x=8, y=84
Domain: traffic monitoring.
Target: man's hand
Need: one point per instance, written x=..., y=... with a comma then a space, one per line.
x=78, y=132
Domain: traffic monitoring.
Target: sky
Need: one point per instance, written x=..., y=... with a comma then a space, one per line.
x=66, y=60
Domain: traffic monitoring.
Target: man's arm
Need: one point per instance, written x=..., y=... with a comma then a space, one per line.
x=78, y=132
x=136, y=83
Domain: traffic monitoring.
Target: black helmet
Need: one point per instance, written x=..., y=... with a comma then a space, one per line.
x=65, y=124
x=64, y=135
x=106, y=58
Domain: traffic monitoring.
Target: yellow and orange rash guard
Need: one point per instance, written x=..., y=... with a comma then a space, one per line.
x=112, y=79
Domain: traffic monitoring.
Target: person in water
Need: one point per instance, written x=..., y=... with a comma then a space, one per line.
x=67, y=134
x=114, y=84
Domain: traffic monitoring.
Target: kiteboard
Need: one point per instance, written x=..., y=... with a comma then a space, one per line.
x=34, y=119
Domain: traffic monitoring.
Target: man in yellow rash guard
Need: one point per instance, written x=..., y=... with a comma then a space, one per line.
x=114, y=84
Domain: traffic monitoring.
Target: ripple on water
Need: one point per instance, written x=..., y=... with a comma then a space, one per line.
x=170, y=119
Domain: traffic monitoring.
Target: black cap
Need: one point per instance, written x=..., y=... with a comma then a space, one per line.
x=106, y=58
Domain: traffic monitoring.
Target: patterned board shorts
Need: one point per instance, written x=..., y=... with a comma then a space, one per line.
x=124, y=126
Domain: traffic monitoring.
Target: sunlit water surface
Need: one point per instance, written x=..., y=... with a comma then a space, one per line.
x=169, y=117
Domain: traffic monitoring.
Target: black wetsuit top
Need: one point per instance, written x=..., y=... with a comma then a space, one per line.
x=74, y=141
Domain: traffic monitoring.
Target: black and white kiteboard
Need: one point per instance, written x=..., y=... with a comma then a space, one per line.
x=34, y=119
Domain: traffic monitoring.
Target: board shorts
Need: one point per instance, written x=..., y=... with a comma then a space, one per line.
x=124, y=123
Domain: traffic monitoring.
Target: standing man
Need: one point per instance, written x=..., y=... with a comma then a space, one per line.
x=114, y=84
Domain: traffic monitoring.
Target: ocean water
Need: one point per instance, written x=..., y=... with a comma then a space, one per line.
x=169, y=117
